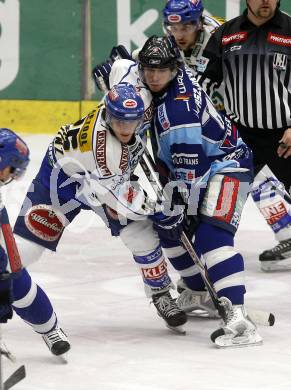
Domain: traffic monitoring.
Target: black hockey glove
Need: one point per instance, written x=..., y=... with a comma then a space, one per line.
x=168, y=227
x=119, y=52
x=6, y=297
x=101, y=74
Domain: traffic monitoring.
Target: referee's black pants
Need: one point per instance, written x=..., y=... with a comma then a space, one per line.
x=264, y=144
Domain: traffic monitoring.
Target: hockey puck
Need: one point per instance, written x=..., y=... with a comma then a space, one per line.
x=217, y=333
x=271, y=319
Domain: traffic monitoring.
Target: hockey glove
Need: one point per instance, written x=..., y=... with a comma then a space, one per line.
x=101, y=74
x=168, y=227
x=6, y=297
x=119, y=52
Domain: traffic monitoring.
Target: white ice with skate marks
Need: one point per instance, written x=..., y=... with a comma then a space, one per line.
x=118, y=341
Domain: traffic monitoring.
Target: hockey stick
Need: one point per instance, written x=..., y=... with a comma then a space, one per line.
x=221, y=304
x=16, y=377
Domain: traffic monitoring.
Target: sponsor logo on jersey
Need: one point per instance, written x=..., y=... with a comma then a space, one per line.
x=155, y=272
x=174, y=18
x=185, y=175
x=129, y=103
x=277, y=39
x=181, y=85
x=163, y=117
x=101, y=153
x=280, y=61
x=237, y=37
x=85, y=133
x=123, y=165
x=185, y=159
x=44, y=223
x=274, y=212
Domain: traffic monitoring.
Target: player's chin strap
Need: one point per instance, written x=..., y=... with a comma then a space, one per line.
x=222, y=304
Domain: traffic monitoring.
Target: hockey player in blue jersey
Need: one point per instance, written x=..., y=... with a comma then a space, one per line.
x=18, y=291
x=14, y=158
x=201, y=149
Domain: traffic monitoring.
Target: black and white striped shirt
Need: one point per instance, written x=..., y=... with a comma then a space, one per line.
x=255, y=65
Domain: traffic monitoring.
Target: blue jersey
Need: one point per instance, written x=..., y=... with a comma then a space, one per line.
x=193, y=139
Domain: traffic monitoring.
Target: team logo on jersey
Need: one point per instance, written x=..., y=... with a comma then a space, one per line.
x=280, y=61
x=174, y=18
x=129, y=103
x=237, y=37
x=163, y=117
x=44, y=223
x=277, y=39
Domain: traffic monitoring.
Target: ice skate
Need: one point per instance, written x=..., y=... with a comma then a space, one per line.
x=57, y=341
x=277, y=258
x=195, y=303
x=238, y=330
x=169, y=311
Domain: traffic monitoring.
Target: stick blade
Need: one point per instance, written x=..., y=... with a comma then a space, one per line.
x=14, y=378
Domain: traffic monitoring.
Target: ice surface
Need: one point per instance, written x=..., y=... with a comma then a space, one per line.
x=118, y=341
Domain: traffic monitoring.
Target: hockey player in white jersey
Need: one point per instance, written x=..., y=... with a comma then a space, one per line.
x=88, y=166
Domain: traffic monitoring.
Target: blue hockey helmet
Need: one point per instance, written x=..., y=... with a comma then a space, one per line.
x=124, y=103
x=182, y=11
x=14, y=153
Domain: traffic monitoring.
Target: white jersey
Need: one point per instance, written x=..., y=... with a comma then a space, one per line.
x=89, y=153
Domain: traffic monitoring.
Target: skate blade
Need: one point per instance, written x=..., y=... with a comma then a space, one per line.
x=276, y=265
x=177, y=329
x=199, y=313
x=228, y=341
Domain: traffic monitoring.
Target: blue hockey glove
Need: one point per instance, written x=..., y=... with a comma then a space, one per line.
x=168, y=227
x=101, y=74
x=6, y=297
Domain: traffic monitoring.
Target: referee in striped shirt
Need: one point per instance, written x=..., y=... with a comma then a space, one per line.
x=252, y=55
